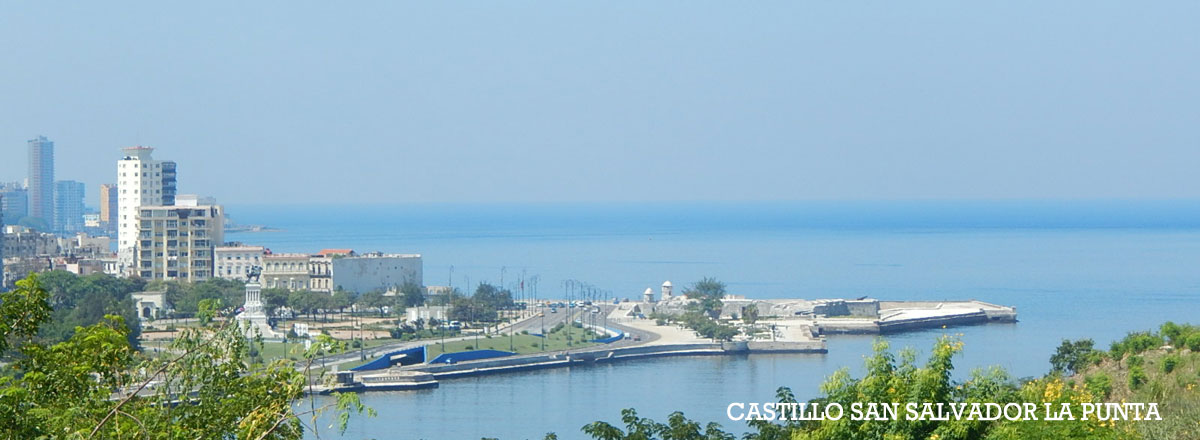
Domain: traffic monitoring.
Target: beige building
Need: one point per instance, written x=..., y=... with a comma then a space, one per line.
x=320, y=273
x=232, y=262
x=285, y=271
x=176, y=243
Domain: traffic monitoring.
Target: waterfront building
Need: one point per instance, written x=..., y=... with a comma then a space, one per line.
x=68, y=207
x=234, y=262
x=320, y=273
x=666, y=290
x=14, y=202
x=108, y=207
x=177, y=243
x=376, y=271
x=142, y=182
x=41, y=180
x=285, y=271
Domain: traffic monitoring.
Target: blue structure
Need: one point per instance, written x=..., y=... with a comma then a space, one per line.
x=620, y=335
x=453, y=358
x=406, y=357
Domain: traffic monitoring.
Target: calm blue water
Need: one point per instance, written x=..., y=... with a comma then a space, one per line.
x=1080, y=269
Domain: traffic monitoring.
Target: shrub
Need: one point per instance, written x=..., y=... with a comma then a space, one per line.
x=469, y=347
x=1169, y=363
x=1193, y=342
x=1100, y=383
x=1135, y=361
x=1137, y=377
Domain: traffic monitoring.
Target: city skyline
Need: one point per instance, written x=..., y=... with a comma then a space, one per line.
x=440, y=103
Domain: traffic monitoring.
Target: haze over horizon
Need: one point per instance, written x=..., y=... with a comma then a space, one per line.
x=389, y=103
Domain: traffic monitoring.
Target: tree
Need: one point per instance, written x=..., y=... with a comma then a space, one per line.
x=412, y=294
x=708, y=292
x=1071, y=356
x=96, y=385
x=750, y=314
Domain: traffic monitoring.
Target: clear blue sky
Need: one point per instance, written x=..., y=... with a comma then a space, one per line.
x=614, y=101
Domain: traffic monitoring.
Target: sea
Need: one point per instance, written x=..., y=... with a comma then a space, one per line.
x=1073, y=269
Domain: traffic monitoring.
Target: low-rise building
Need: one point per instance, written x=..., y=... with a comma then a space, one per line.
x=425, y=313
x=151, y=305
x=376, y=271
x=285, y=271
x=320, y=273
x=233, y=262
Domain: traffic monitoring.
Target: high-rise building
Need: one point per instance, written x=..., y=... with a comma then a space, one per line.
x=41, y=180
x=68, y=207
x=15, y=204
x=108, y=207
x=141, y=182
x=177, y=242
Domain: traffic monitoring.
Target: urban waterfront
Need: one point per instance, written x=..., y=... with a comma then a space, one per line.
x=1073, y=271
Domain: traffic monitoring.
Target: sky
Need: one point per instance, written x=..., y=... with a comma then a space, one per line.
x=395, y=102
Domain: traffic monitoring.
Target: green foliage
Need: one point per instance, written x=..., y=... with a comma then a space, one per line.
x=96, y=385
x=1193, y=342
x=1137, y=377
x=1169, y=363
x=677, y=427
x=82, y=301
x=892, y=378
x=1100, y=384
x=1135, y=361
x=412, y=294
x=22, y=310
x=1070, y=356
x=708, y=293
x=1135, y=343
x=750, y=314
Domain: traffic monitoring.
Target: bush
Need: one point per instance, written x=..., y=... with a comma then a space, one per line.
x=1193, y=342
x=1169, y=363
x=1099, y=383
x=1137, y=377
x=469, y=347
x=1135, y=361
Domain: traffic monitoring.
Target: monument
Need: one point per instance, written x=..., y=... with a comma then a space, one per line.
x=253, y=318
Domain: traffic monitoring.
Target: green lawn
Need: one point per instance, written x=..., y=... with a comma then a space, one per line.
x=522, y=344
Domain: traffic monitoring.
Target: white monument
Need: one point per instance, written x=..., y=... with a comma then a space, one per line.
x=648, y=295
x=253, y=318
x=666, y=291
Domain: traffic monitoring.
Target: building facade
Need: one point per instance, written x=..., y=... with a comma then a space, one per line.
x=142, y=182
x=108, y=207
x=320, y=273
x=68, y=207
x=14, y=204
x=177, y=243
x=233, y=262
x=285, y=271
x=376, y=271
x=41, y=180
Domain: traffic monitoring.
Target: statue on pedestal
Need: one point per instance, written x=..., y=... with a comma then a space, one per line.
x=253, y=317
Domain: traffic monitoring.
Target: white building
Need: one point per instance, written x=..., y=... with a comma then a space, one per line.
x=141, y=181
x=425, y=313
x=176, y=243
x=285, y=271
x=376, y=271
x=151, y=305
x=232, y=262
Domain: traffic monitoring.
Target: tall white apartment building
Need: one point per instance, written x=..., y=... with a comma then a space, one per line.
x=177, y=242
x=232, y=262
x=141, y=182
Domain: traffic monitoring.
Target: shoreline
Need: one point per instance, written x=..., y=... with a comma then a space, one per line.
x=803, y=335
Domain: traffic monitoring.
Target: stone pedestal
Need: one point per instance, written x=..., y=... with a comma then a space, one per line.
x=253, y=318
